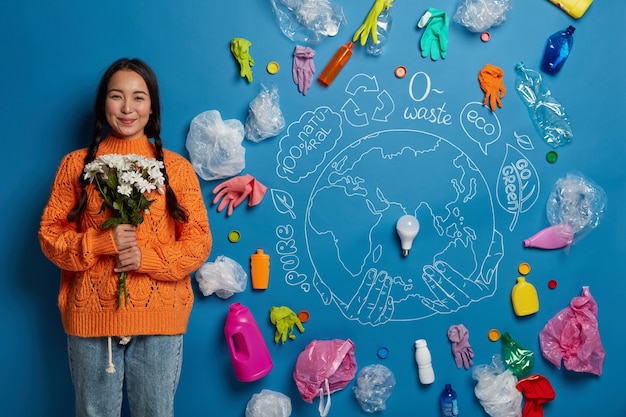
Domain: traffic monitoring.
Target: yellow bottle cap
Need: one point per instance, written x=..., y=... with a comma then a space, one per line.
x=234, y=236
x=273, y=67
x=523, y=268
x=493, y=335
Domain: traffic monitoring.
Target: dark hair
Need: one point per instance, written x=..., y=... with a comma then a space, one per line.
x=152, y=130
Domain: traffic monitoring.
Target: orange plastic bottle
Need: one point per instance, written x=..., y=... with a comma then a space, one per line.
x=260, y=270
x=335, y=65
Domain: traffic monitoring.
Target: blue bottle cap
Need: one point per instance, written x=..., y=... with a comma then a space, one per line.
x=383, y=352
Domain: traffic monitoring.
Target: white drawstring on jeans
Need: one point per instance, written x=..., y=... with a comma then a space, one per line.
x=123, y=341
x=111, y=367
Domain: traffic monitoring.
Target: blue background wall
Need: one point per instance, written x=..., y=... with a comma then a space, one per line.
x=53, y=56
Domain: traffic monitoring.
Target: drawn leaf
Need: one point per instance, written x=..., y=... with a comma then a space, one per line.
x=518, y=184
x=283, y=201
x=524, y=142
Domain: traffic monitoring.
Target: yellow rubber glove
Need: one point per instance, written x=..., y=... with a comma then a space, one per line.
x=284, y=319
x=492, y=83
x=369, y=25
x=239, y=47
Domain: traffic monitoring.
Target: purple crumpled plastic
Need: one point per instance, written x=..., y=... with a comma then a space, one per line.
x=572, y=336
x=324, y=359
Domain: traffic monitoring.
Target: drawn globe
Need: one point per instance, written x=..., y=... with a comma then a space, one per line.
x=359, y=195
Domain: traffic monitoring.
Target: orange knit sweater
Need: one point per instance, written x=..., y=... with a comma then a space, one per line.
x=161, y=296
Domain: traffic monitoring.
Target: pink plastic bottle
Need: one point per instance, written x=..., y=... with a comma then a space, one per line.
x=553, y=237
x=248, y=351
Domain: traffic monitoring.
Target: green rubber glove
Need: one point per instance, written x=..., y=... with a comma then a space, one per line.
x=239, y=47
x=369, y=26
x=434, y=41
x=284, y=319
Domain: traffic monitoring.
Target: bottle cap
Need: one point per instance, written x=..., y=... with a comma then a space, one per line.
x=234, y=236
x=400, y=71
x=303, y=316
x=485, y=36
x=273, y=67
x=552, y=284
x=382, y=352
x=493, y=335
x=552, y=156
x=523, y=268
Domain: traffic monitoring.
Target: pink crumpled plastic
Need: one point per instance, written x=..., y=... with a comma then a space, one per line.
x=572, y=336
x=324, y=359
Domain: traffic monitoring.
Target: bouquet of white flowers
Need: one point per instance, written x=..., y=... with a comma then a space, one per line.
x=125, y=182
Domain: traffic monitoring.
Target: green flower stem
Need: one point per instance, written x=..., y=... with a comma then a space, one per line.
x=122, y=290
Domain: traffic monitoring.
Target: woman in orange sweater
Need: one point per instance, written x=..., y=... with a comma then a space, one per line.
x=141, y=339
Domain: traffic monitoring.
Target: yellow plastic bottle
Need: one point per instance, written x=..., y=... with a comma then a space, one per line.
x=524, y=298
x=574, y=8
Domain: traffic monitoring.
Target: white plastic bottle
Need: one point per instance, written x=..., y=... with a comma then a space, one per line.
x=425, y=369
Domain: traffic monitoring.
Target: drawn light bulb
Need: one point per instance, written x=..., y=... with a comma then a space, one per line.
x=407, y=227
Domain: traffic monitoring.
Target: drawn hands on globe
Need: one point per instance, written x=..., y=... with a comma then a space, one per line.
x=372, y=303
x=450, y=290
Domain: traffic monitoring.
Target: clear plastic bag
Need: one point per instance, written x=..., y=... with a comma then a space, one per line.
x=480, y=15
x=224, y=277
x=374, y=386
x=496, y=389
x=214, y=146
x=578, y=202
x=309, y=21
x=265, y=119
x=268, y=403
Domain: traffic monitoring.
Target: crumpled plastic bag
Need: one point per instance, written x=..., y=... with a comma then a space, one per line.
x=374, y=386
x=322, y=360
x=573, y=336
x=224, y=277
x=269, y=403
x=265, y=119
x=577, y=202
x=496, y=389
x=214, y=146
x=309, y=21
x=480, y=15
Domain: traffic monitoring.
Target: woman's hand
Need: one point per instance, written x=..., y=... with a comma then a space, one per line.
x=129, y=256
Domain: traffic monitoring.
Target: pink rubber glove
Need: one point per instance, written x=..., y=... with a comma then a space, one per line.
x=236, y=189
x=461, y=349
x=303, y=68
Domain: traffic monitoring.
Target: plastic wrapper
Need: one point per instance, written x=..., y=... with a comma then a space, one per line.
x=578, y=202
x=480, y=15
x=519, y=359
x=309, y=21
x=265, y=119
x=269, y=403
x=322, y=360
x=224, y=277
x=496, y=389
x=572, y=336
x=214, y=146
x=374, y=385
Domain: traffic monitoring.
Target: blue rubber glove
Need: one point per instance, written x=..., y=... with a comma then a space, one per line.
x=434, y=41
x=303, y=68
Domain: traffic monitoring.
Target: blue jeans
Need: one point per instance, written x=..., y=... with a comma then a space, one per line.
x=148, y=365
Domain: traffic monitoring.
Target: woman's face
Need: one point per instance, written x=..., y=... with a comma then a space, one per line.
x=128, y=106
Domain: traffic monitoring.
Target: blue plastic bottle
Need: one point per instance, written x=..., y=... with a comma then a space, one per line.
x=557, y=50
x=449, y=406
